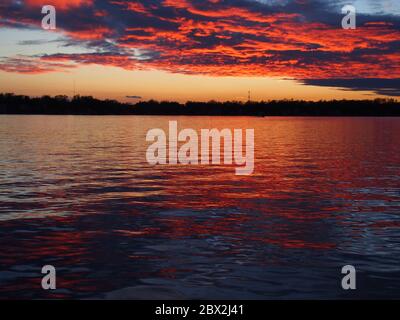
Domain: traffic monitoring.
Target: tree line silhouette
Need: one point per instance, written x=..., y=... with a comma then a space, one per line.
x=87, y=105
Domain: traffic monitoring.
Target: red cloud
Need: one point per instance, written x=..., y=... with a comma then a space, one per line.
x=221, y=39
x=96, y=33
x=60, y=4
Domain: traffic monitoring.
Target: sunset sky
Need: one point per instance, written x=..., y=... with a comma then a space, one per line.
x=201, y=49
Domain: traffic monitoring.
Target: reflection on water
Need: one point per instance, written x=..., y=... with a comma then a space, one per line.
x=77, y=193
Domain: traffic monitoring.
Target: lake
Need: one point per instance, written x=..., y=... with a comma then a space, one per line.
x=76, y=192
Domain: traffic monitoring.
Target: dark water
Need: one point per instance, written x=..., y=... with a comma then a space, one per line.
x=77, y=193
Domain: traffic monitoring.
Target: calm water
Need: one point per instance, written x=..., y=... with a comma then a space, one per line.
x=77, y=193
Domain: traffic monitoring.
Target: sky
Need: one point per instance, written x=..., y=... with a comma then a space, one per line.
x=201, y=49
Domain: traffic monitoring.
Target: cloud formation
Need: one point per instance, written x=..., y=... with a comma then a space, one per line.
x=134, y=97
x=293, y=39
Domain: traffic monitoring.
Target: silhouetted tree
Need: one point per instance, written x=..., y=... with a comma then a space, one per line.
x=87, y=105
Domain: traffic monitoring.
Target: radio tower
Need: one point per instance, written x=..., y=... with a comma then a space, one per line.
x=249, y=98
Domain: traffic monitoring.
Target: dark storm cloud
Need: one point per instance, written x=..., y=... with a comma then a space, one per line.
x=387, y=87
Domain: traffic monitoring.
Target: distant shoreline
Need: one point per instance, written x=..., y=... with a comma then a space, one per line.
x=85, y=105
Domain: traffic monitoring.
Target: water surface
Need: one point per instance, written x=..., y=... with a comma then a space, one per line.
x=77, y=193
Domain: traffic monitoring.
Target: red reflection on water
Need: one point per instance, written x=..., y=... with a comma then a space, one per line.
x=318, y=183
